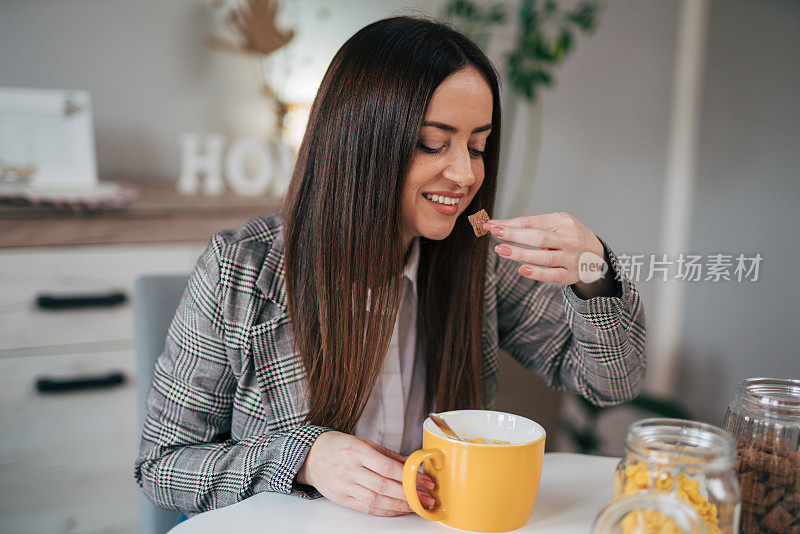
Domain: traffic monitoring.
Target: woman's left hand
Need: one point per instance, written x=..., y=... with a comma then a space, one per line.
x=569, y=253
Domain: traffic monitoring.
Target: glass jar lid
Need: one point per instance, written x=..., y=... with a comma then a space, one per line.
x=777, y=398
x=677, y=442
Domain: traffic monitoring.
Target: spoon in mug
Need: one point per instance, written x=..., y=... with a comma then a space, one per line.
x=443, y=426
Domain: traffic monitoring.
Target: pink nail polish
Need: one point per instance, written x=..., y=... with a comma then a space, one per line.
x=496, y=231
x=503, y=250
x=526, y=271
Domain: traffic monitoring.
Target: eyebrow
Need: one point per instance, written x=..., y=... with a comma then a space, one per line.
x=451, y=129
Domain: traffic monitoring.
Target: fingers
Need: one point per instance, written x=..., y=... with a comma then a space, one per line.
x=561, y=238
x=533, y=237
x=393, y=468
x=369, y=502
x=545, y=221
x=556, y=275
x=542, y=265
x=545, y=258
x=426, y=499
x=384, y=475
x=379, y=484
x=381, y=464
x=386, y=452
x=390, y=488
x=360, y=474
x=424, y=481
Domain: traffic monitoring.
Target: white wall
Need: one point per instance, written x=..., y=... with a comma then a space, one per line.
x=605, y=128
x=747, y=201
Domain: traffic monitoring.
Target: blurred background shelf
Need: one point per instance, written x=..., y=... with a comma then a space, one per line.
x=159, y=215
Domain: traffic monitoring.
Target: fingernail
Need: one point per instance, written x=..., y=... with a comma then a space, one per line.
x=526, y=271
x=489, y=224
x=503, y=250
x=428, y=484
x=429, y=501
x=496, y=231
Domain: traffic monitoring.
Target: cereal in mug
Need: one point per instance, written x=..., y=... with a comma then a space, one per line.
x=488, y=441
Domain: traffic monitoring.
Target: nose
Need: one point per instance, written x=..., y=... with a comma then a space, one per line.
x=458, y=168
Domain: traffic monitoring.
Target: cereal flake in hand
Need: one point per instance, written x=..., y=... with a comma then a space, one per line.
x=477, y=220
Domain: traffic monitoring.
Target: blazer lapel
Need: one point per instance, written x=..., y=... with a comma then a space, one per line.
x=271, y=280
x=280, y=372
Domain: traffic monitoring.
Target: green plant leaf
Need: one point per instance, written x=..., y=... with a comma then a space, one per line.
x=585, y=15
x=496, y=14
x=542, y=51
x=473, y=20
x=661, y=407
x=586, y=441
x=462, y=8
x=562, y=45
x=592, y=410
x=529, y=66
x=527, y=16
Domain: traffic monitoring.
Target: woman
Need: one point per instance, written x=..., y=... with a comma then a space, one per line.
x=310, y=345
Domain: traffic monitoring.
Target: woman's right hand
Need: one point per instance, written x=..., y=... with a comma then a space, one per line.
x=360, y=474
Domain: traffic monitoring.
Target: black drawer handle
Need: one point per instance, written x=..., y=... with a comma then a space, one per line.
x=79, y=383
x=65, y=302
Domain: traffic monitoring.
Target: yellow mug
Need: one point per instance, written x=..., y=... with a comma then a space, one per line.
x=482, y=487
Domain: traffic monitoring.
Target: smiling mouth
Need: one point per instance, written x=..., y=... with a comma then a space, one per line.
x=443, y=200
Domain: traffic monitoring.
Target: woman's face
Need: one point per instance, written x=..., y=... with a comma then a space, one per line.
x=447, y=166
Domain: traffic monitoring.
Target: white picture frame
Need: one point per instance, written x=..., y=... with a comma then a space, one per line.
x=50, y=132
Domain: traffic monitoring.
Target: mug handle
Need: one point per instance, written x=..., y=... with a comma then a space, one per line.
x=410, y=481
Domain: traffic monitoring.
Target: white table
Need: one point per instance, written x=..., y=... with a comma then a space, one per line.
x=574, y=488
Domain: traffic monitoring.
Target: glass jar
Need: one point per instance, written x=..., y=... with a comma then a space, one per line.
x=691, y=460
x=764, y=420
x=648, y=512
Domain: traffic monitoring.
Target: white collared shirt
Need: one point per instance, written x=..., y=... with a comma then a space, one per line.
x=395, y=410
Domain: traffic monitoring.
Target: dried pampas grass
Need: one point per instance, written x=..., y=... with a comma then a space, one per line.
x=254, y=22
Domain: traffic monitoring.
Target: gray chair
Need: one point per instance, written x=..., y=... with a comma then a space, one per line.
x=155, y=299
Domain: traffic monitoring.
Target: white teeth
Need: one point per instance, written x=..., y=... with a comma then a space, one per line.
x=447, y=201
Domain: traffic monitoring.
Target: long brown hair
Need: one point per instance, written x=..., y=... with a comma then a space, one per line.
x=343, y=246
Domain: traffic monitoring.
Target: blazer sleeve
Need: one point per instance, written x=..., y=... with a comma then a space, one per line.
x=593, y=347
x=187, y=459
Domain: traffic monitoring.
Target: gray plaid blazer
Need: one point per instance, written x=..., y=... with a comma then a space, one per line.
x=225, y=411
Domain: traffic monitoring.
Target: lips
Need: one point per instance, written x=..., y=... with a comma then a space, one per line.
x=444, y=209
x=444, y=194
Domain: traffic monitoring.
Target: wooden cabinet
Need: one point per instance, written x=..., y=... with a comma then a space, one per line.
x=66, y=460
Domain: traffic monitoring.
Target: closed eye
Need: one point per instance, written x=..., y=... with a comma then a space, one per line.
x=473, y=152
x=429, y=150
